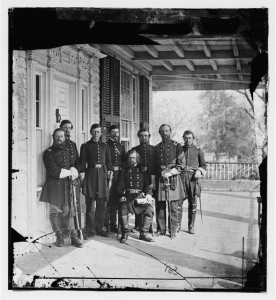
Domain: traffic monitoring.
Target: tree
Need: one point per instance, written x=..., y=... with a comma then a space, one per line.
x=226, y=127
x=174, y=113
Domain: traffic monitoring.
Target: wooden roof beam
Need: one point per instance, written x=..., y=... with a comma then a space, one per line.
x=238, y=64
x=206, y=49
x=167, y=65
x=213, y=64
x=235, y=48
x=178, y=49
x=190, y=65
x=151, y=50
x=171, y=55
x=200, y=70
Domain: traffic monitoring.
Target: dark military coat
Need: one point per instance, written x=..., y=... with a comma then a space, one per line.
x=95, y=182
x=74, y=155
x=118, y=160
x=145, y=152
x=194, y=157
x=56, y=190
x=166, y=156
x=133, y=178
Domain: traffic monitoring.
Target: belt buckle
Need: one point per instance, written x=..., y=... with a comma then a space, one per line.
x=187, y=168
x=163, y=167
x=98, y=166
x=116, y=168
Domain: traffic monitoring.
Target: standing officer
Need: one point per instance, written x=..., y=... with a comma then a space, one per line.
x=118, y=157
x=67, y=127
x=95, y=161
x=194, y=169
x=56, y=189
x=145, y=151
x=168, y=159
x=134, y=190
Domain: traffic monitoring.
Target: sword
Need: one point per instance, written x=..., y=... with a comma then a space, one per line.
x=167, y=196
x=76, y=210
x=198, y=194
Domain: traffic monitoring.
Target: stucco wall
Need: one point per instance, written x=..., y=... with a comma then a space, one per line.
x=19, y=143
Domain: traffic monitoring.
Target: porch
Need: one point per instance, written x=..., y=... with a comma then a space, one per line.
x=218, y=256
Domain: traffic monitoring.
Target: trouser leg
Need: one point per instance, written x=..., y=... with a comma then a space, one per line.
x=138, y=220
x=124, y=223
x=147, y=221
x=90, y=216
x=55, y=219
x=173, y=217
x=161, y=216
x=179, y=214
x=113, y=216
x=192, y=215
x=107, y=216
x=100, y=214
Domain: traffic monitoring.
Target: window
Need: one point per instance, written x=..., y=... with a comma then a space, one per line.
x=126, y=105
x=135, y=101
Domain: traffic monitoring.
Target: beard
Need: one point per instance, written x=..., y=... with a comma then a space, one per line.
x=58, y=144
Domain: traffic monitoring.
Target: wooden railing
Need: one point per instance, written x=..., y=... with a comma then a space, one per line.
x=232, y=171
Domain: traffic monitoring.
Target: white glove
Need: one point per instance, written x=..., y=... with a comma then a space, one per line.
x=74, y=173
x=64, y=173
x=167, y=175
x=149, y=199
x=122, y=199
x=198, y=174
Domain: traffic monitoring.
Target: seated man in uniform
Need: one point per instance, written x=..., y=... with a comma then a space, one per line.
x=135, y=191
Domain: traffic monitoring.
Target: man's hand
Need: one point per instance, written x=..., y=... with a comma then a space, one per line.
x=122, y=199
x=153, y=186
x=198, y=174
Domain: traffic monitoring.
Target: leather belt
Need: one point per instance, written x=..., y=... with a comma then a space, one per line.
x=97, y=166
x=165, y=166
x=116, y=168
x=133, y=191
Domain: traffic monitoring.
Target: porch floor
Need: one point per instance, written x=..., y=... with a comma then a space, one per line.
x=213, y=258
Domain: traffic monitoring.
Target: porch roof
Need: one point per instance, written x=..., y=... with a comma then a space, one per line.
x=183, y=49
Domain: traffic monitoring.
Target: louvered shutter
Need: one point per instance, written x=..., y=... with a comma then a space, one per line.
x=144, y=101
x=109, y=93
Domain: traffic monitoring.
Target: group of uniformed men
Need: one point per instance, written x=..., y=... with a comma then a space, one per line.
x=113, y=180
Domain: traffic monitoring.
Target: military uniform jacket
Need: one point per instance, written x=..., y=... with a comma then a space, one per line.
x=145, y=152
x=118, y=159
x=133, y=178
x=194, y=160
x=74, y=155
x=166, y=156
x=95, y=182
x=56, y=190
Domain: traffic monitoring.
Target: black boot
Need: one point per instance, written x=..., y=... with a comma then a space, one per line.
x=75, y=240
x=146, y=224
x=124, y=226
x=179, y=218
x=56, y=225
x=191, y=218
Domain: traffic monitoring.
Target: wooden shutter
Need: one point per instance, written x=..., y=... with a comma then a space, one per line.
x=109, y=93
x=144, y=101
